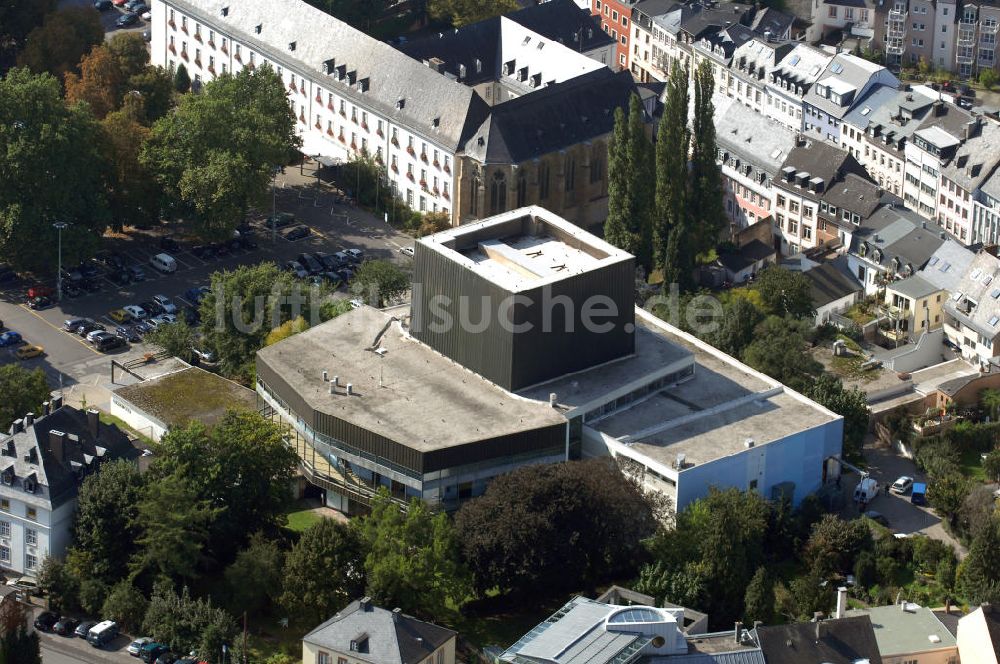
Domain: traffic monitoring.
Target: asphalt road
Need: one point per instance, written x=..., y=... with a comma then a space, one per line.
x=70, y=359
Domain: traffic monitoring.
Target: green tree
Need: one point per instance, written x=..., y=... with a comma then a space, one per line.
x=106, y=523
x=58, y=582
x=244, y=305
x=262, y=561
x=380, y=282
x=412, y=559
x=287, y=329
x=779, y=350
x=979, y=575
x=631, y=185
x=126, y=605
x=784, y=292
x=323, y=571
x=865, y=572
x=23, y=392
x=17, y=19
x=241, y=466
x=829, y=391
x=187, y=624
x=98, y=84
x=215, y=153
x=736, y=329
x=93, y=592
x=175, y=338
x=464, y=12
x=991, y=466
x=175, y=528
x=545, y=528
x=156, y=87
x=706, y=177
x=805, y=595
x=58, y=44
x=132, y=193
x=834, y=545
x=759, y=599
x=51, y=169
x=989, y=400
x=182, y=81
x=130, y=52
x=672, y=142
x=947, y=494
x=987, y=78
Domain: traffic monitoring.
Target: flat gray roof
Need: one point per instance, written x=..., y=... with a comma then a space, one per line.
x=900, y=631
x=913, y=287
x=712, y=414
x=406, y=391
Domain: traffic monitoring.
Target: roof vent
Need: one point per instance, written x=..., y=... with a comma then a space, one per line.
x=363, y=84
x=680, y=461
x=350, y=389
x=258, y=28
x=400, y=103
x=553, y=399
x=291, y=46
x=461, y=72
x=748, y=443
x=365, y=604
x=224, y=11
x=328, y=65
x=436, y=122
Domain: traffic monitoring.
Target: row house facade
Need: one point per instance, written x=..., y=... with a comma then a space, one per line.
x=420, y=119
x=837, y=90
x=616, y=20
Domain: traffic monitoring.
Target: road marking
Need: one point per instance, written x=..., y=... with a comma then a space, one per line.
x=82, y=342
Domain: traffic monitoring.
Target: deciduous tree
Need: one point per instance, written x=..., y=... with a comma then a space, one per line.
x=51, y=169
x=834, y=545
x=323, y=571
x=126, y=605
x=758, y=602
x=779, y=350
x=784, y=292
x=852, y=404
x=947, y=494
x=978, y=574
x=631, y=185
x=379, y=282
x=58, y=44
x=106, y=524
x=17, y=19
x=412, y=560
x=187, y=624
x=706, y=176
x=463, y=12
x=215, y=153
x=99, y=82
x=23, y=392
x=175, y=338
x=256, y=576
x=672, y=187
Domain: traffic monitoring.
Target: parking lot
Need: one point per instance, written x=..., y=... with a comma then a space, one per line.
x=68, y=357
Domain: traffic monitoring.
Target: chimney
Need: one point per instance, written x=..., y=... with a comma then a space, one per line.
x=336, y=381
x=56, y=403
x=29, y=419
x=57, y=440
x=738, y=630
x=396, y=613
x=17, y=426
x=841, y=601
x=332, y=386
x=325, y=378
x=93, y=422
x=45, y=408
x=350, y=389
x=553, y=399
x=817, y=616
x=365, y=604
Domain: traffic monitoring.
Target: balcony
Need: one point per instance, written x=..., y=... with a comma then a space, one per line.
x=895, y=46
x=966, y=32
x=989, y=28
x=964, y=59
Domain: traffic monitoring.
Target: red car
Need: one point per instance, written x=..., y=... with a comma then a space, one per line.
x=118, y=3
x=40, y=291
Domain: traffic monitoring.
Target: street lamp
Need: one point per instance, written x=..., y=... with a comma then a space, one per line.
x=60, y=226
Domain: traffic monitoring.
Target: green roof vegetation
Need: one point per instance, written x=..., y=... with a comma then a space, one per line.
x=189, y=394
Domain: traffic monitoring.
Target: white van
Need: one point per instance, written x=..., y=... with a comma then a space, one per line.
x=102, y=633
x=164, y=263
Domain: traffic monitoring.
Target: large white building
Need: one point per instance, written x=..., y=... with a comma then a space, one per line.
x=418, y=116
x=43, y=461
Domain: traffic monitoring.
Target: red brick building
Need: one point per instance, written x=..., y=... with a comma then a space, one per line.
x=616, y=20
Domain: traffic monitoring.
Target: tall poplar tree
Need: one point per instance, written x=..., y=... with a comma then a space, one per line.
x=630, y=185
x=670, y=221
x=706, y=177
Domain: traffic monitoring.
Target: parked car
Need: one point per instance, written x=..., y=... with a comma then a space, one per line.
x=136, y=273
x=45, y=621
x=918, y=494
x=165, y=304
x=902, y=485
x=103, y=5
x=406, y=251
x=38, y=303
x=309, y=262
x=134, y=647
x=88, y=326
x=203, y=354
x=295, y=268
x=356, y=303
x=103, y=632
x=84, y=628
x=191, y=316
x=73, y=324
x=202, y=251
x=341, y=258
x=151, y=651
x=128, y=334
x=29, y=351
x=10, y=338
x=281, y=220
x=135, y=311
x=164, y=263
x=163, y=319
x=169, y=244
x=151, y=308
x=196, y=295
x=355, y=255
x=72, y=290
x=166, y=658
x=109, y=342
x=297, y=233
x=247, y=241
x=90, y=285
x=125, y=20
x=65, y=626
x=120, y=316
x=119, y=277
x=333, y=279
x=88, y=270
x=96, y=335
x=40, y=291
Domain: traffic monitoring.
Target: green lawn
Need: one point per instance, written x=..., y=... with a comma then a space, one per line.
x=972, y=466
x=302, y=518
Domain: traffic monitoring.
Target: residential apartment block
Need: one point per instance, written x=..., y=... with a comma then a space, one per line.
x=972, y=313
x=43, y=460
x=470, y=123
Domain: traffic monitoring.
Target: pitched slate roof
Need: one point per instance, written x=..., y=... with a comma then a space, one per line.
x=841, y=641
x=27, y=452
x=976, y=159
x=979, y=287
x=898, y=232
x=384, y=637
x=751, y=136
x=847, y=72
x=319, y=37
x=829, y=283
x=768, y=19
x=563, y=21
x=947, y=265
x=548, y=119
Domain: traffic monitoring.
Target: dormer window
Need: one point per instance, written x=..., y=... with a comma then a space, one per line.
x=8, y=476
x=224, y=11
x=258, y=28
